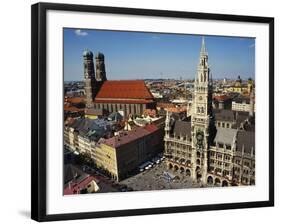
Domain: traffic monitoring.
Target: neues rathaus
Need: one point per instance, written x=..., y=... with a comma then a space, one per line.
x=214, y=148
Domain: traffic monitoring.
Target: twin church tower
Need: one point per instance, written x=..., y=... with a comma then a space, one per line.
x=94, y=78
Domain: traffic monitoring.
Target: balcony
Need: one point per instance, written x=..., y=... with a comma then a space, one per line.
x=176, y=140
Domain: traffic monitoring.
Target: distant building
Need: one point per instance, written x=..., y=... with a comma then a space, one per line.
x=126, y=97
x=73, y=106
x=222, y=102
x=240, y=87
x=233, y=119
x=244, y=103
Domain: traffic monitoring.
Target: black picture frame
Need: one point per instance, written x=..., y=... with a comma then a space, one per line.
x=38, y=108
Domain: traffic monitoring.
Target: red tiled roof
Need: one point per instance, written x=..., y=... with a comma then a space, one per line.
x=221, y=97
x=123, y=101
x=72, y=109
x=124, y=89
x=151, y=128
x=129, y=136
x=79, y=99
x=74, y=188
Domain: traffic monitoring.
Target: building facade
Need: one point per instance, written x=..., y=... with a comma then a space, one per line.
x=123, y=153
x=211, y=151
x=240, y=87
x=245, y=103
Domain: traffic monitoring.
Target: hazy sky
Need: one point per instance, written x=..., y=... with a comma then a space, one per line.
x=138, y=55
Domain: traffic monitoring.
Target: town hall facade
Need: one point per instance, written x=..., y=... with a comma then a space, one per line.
x=210, y=155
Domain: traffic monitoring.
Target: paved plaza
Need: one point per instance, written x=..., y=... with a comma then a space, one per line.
x=154, y=179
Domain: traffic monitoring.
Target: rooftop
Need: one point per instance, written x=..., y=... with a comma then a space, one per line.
x=224, y=115
x=182, y=129
x=124, y=89
x=75, y=100
x=129, y=136
x=246, y=140
x=91, y=129
x=226, y=135
x=241, y=99
x=221, y=98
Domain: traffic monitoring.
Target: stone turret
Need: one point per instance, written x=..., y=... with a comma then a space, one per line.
x=167, y=124
x=89, y=77
x=100, y=68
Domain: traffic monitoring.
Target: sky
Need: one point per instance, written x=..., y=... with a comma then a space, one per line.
x=139, y=55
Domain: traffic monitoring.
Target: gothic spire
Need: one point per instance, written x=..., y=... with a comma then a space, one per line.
x=203, y=47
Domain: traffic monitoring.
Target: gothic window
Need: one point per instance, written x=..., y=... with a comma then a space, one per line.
x=204, y=76
x=198, y=154
x=228, y=147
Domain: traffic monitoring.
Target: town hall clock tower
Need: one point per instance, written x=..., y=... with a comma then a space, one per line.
x=202, y=120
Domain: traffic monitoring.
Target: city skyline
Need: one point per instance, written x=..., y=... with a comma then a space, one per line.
x=157, y=135
x=141, y=55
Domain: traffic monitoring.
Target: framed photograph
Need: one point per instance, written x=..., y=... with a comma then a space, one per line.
x=139, y=111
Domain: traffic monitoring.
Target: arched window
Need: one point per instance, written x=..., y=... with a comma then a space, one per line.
x=202, y=110
x=210, y=180
x=217, y=181
x=224, y=183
